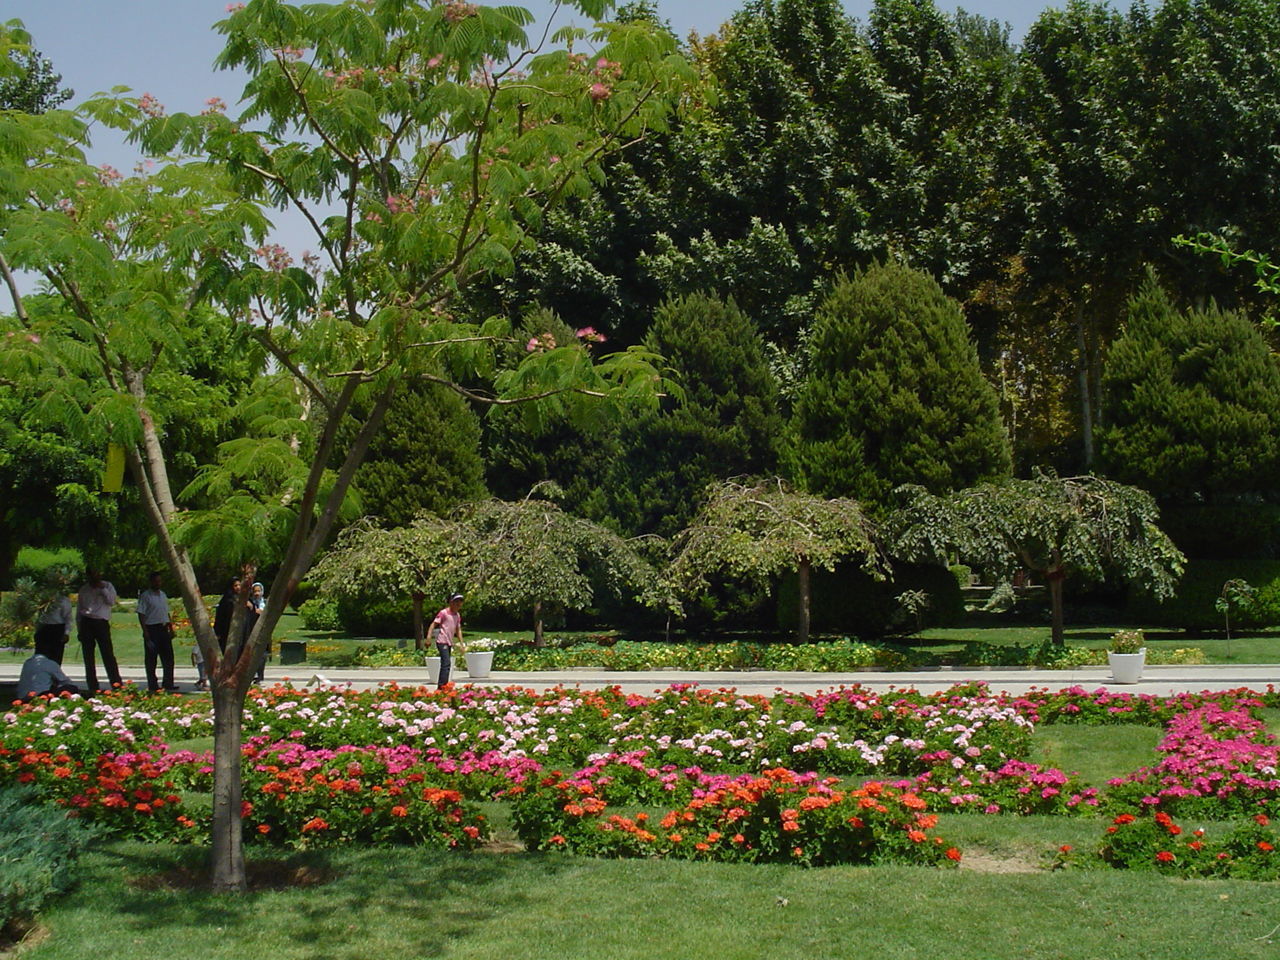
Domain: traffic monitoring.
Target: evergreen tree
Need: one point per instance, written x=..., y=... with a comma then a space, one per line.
x=426, y=457
x=894, y=393
x=1192, y=402
x=726, y=426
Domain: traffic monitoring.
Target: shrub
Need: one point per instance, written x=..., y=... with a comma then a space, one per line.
x=1193, y=606
x=319, y=614
x=33, y=563
x=38, y=857
x=849, y=600
x=377, y=617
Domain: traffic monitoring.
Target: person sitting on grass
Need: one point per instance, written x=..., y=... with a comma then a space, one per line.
x=41, y=675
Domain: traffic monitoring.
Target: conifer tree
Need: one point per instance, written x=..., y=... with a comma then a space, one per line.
x=1192, y=402
x=894, y=393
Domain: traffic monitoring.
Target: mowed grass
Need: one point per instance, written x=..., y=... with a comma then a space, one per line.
x=425, y=903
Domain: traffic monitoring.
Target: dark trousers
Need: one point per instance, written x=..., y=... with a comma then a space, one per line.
x=51, y=640
x=445, y=652
x=157, y=642
x=93, y=631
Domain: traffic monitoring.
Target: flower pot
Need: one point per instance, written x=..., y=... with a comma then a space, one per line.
x=479, y=663
x=1127, y=667
x=433, y=669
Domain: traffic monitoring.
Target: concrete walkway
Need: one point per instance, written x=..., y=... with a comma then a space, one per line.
x=1161, y=680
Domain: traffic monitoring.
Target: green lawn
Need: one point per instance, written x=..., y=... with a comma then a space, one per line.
x=948, y=643
x=139, y=901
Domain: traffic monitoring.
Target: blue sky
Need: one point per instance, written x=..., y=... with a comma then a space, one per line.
x=167, y=48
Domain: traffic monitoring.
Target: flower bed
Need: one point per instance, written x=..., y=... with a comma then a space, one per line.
x=405, y=765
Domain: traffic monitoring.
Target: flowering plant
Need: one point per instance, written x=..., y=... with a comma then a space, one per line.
x=1127, y=641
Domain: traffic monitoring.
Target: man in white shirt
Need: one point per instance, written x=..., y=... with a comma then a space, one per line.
x=53, y=628
x=93, y=620
x=157, y=633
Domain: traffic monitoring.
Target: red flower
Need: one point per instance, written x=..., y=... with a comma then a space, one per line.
x=953, y=854
x=264, y=828
x=471, y=831
x=1065, y=848
x=399, y=811
x=315, y=823
x=557, y=839
x=1164, y=856
x=1262, y=820
x=246, y=808
x=1264, y=846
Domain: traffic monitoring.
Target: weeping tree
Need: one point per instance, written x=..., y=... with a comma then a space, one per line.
x=422, y=558
x=422, y=145
x=530, y=555
x=1083, y=528
x=761, y=529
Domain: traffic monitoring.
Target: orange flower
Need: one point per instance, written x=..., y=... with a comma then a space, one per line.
x=953, y=854
x=1264, y=846
x=399, y=811
x=790, y=826
x=797, y=851
x=712, y=837
x=701, y=846
x=668, y=821
x=315, y=823
x=856, y=823
x=675, y=837
x=471, y=831
x=557, y=839
x=1262, y=820
x=264, y=828
x=916, y=836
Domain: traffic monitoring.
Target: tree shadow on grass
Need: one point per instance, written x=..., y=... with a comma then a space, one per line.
x=417, y=900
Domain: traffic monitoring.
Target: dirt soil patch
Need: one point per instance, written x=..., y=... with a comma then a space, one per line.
x=260, y=876
x=986, y=863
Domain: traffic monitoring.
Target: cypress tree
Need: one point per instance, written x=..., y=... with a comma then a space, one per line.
x=894, y=393
x=1192, y=402
x=726, y=426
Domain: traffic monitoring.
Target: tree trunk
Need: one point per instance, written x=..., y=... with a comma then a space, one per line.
x=1054, y=580
x=227, y=857
x=802, y=624
x=419, y=633
x=538, y=640
x=1086, y=392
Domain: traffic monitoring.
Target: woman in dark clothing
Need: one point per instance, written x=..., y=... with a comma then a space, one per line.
x=223, y=614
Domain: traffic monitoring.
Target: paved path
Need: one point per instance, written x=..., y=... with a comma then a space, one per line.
x=1156, y=680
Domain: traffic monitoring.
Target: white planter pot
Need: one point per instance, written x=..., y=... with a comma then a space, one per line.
x=1127, y=667
x=433, y=669
x=479, y=663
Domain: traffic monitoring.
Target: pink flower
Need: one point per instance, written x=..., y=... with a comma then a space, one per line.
x=599, y=92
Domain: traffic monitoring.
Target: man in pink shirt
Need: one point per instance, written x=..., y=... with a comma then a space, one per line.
x=447, y=627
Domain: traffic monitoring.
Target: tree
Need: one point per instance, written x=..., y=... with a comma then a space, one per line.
x=727, y=423
x=422, y=143
x=761, y=529
x=530, y=555
x=1192, y=402
x=425, y=458
x=894, y=393
x=1079, y=527
x=27, y=82
x=416, y=559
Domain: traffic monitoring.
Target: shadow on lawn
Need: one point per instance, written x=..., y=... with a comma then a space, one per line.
x=342, y=896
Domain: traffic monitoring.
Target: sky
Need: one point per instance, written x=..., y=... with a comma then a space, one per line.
x=167, y=48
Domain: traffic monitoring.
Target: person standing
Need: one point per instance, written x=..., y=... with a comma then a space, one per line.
x=93, y=623
x=447, y=628
x=256, y=604
x=157, y=633
x=53, y=628
x=225, y=611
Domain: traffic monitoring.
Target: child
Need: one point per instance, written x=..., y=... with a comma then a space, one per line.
x=197, y=661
